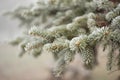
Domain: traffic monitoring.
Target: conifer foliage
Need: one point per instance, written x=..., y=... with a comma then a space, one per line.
x=67, y=27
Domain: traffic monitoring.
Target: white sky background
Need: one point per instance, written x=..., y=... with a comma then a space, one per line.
x=9, y=28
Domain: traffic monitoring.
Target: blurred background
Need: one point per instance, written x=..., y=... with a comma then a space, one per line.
x=13, y=67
